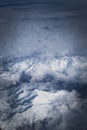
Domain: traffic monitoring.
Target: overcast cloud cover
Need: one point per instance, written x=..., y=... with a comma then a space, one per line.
x=43, y=64
x=41, y=25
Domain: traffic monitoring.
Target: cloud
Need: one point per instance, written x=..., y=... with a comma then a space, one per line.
x=46, y=105
x=36, y=68
x=53, y=28
x=43, y=91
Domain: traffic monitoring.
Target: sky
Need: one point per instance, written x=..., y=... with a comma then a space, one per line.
x=40, y=25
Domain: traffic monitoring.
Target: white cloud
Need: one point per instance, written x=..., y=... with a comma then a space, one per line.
x=46, y=105
x=35, y=100
x=62, y=68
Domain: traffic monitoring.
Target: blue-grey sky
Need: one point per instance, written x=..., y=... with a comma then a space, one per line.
x=50, y=26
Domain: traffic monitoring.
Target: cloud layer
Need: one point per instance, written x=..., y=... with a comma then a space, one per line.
x=43, y=91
